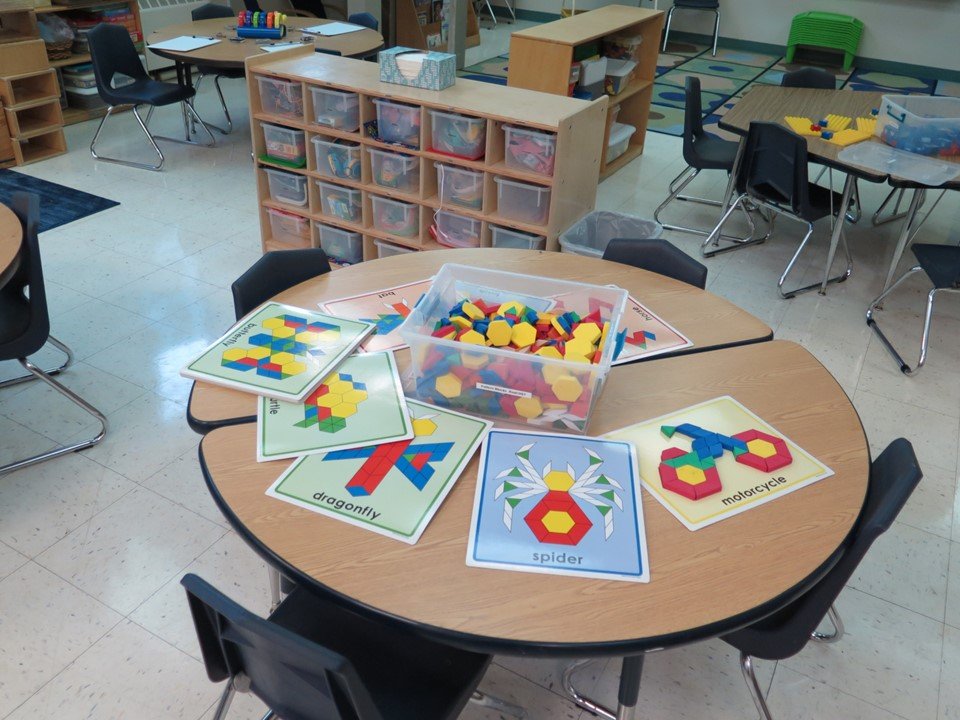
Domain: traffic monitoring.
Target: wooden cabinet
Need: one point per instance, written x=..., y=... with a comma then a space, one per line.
x=541, y=58
x=30, y=96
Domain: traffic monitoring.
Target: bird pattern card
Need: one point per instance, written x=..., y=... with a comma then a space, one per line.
x=647, y=334
x=279, y=351
x=558, y=504
x=360, y=403
x=385, y=309
x=393, y=489
x=717, y=459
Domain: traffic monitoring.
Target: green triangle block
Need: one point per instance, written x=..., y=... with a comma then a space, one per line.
x=668, y=430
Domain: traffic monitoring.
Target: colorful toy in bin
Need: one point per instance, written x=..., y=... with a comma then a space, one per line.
x=259, y=24
x=396, y=123
x=533, y=151
x=344, y=164
x=458, y=135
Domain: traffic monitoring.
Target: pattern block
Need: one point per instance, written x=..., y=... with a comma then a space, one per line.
x=558, y=519
x=333, y=401
x=688, y=474
x=765, y=452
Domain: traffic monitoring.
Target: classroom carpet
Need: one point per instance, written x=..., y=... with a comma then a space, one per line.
x=59, y=204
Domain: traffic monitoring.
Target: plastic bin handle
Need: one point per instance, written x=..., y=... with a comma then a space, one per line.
x=901, y=118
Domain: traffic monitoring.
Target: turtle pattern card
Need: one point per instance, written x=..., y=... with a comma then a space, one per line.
x=385, y=309
x=714, y=460
x=558, y=504
x=646, y=334
x=360, y=403
x=393, y=489
x=279, y=351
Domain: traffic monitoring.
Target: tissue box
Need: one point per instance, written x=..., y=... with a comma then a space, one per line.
x=438, y=71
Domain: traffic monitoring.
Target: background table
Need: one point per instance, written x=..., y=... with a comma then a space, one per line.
x=709, y=321
x=11, y=238
x=703, y=583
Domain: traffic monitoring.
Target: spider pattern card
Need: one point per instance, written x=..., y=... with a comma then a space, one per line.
x=646, y=334
x=714, y=460
x=279, y=351
x=360, y=403
x=393, y=489
x=385, y=309
x=558, y=504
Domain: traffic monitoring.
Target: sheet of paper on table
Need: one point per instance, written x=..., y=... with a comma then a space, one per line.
x=647, y=334
x=184, y=43
x=386, y=309
x=277, y=47
x=331, y=29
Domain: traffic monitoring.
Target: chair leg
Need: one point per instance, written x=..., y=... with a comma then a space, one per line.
x=223, y=104
x=787, y=294
x=829, y=638
x=676, y=187
x=579, y=699
x=746, y=664
x=129, y=163
x=190, y=115
x=878, y=218
x=76, y=400
x=499, y=705
x=55, y=371
x=716, y=31
x=716, y=235
x=627, y=694
x=225, y=699
x=273, y=578
x=666, y=32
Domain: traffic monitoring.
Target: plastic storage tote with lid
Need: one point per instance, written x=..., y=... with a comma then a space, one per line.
x=281, y=97
x=618, y=75
x=398, y=123
x=456, y=230
x=619, y=140
x=336, y=108
x=289, y=228
x=522, y=201
x=337, y=158
x=591, y=234
x=385, y=249
x=285, y=145
x=340, y=202
x=395, y=217
x=920, y=124
x=394, y=170
x=341, y=246
x=288, y=188
x=458, y=135
x=530, y=150
x=501, y=237
x=459, y=186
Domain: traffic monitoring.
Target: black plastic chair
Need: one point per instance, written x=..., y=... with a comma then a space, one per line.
x=941, y=264
x=25, y=326
x=113, y=54
x=773, y=175
x=809, y=78
x=275, y=272
x=365, y=19
x=208, y=12
x=893, y=476
x=713, y=5
x=658, y=256
x=314, y=660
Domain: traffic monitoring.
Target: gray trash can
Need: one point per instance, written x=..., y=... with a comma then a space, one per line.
x=594, y=231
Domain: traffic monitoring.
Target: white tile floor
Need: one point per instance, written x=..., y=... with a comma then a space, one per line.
x=93, y=623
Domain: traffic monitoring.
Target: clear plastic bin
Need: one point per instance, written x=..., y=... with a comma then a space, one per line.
x=395, y=217
x=459, y=186
x=285, y=144
x=341, y=202
x=522, y=201
x=591, y=234
x=920, y=124
x=337, y=158
x=496, y=378
x=395, y=171
x=456, y=230
x=501, y=237
x=385, y=249
x=619, y=140
x=287, y=187
x=289, y=228
x=336, y=108
x=618, y=76
x=341, y=246
x=281, y=97
x=398, y=123
x=458, y=135
x=530, y=150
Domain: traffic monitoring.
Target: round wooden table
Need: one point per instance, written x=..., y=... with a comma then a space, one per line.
x=228, y=54
x=709, y=321
x=11, y=240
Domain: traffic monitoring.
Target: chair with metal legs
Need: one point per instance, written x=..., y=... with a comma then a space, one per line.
x=113, y=53
x=893, y=477
x=206, y=12
x=713, y=5
x=773, y=175
x=941, y=264
x=25, y=327
x=658, y=256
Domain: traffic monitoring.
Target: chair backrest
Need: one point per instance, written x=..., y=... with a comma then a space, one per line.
x=275, y=272
x=211, y=10
x=25, y=287
x=774, y=167
x=328, y=52
x=112, y=53
x=294, y=677
x=657, y=256
x=365, y=19
x=692, y=120
x=809, y=78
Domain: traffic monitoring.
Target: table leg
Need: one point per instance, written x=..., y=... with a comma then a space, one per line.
x=837, y=230
x=629, y=692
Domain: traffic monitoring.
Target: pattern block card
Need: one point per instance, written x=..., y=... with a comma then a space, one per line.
x=393, y=489
x=386, y=309
x=647, y=334
x=279, y=351
x=558, y=504
x=360, y=403
x=714, y=460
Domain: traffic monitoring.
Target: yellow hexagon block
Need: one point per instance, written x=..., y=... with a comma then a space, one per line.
x=307, y=337
x=529, y=407
x=691, y=475
x=355, y=396
x=549, y=351
x=551, y=373
x=461, y=322
x=472, y=311
x=272, y=323
x=234, y=353
x=587, y=331
x=474, y=361
x=499, y=332
x=258, y=353
x=578, y=346
x=282, y=358
x=558, y=480
x=567, y=388
x=472, y=337
x=293, y=368
x=340, y=386
x=284, y=332
x=423, y=427
x=343, y=410
x=524, y=335
x=513, y=306
x=449, y=385
x=761, y=448
x=329, y=400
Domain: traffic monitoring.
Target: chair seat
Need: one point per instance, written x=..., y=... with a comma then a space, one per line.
x=819, y=198
x=408, y=676
x=713, y=153
x=14, y=324
x=226, y=72
x=941, y=263
x=150, y=92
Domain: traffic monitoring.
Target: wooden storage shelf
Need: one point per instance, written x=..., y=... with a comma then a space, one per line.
x=541, y=57
x=576, y=159
x=74, y=59
x=36, y=88
x=17, y=26
x=410, y=33
x=39, y=147
x=34, y=119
